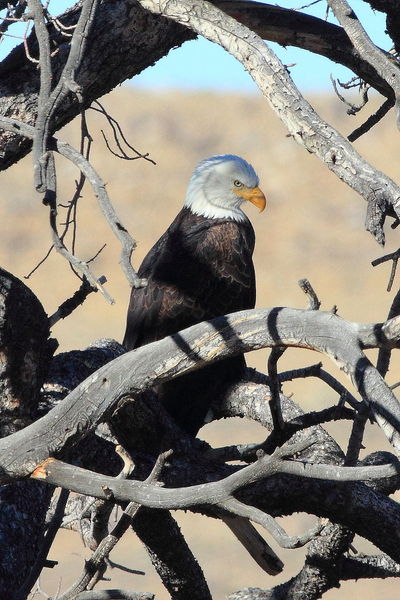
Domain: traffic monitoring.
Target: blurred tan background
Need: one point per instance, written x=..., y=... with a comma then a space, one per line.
x=313, y=227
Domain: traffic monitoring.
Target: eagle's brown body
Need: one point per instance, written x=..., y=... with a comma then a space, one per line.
x=199, y=269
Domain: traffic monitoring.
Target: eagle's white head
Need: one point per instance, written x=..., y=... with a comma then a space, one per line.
x=220, y=184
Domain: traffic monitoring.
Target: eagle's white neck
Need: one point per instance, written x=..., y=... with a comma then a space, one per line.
x=198, y=203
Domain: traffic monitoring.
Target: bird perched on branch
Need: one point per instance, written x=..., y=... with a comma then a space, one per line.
x=202, y=268
x=199, y=269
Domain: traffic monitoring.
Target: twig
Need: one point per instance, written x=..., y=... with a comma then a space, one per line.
x=128, y=244
x=275, y=390
x=79, y=264
x=40, y=263
x=356, y=437
x=85, y=147
x=372, y=120
x=353, y=108
x=306, y=5
x=113, y=565
x=63, y=29
x=68, y=306
x=275, y=355
x=393, y=256
x=118, y=133
x=247, y=452
x=363, y=44
x=236, y=507
x=313, y=301
x=317, y=371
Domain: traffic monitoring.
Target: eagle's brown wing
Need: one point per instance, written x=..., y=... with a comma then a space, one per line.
x=199, y=269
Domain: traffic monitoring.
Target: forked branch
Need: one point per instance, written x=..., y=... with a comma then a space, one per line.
x=141, y=369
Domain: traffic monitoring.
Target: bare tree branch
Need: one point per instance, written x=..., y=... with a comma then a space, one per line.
x=216, y=493
x=385, y=65
x=48, y=540
x=49, y=100
x=127, y=242
x=240, y=332
x=114, y=595
x=373, y=120
x=119, y=56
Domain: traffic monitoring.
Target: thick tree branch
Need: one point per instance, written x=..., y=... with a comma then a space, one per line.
x=216, y=493
x=25, y=356
x=26, y=353
x=385, y=66
x=125, y=39
x=145, y=367
x=391, y=8
x=294, y=28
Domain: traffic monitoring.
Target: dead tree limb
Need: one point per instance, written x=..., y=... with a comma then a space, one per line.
x=26, y=352
x=125, y=39
x=384, y=65
x=145, y=367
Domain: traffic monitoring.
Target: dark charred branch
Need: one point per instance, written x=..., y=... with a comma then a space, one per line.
x=26, y=352
x=25, y=355
x=170, y=555
x=23, y=508
x=391, y=8
x=373, y=120
x=325, y=572
x=23, y=538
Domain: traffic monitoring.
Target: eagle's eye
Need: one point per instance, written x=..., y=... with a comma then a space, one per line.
x=238, y=183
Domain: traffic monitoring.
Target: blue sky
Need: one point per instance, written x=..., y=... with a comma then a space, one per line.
x=203, y=65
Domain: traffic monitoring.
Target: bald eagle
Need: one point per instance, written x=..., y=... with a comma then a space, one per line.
x=199, y=269
x=202, y=268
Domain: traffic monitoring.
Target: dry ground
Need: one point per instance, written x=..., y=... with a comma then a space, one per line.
x=313, y=227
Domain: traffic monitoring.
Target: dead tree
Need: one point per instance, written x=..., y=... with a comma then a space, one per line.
x=89, y=421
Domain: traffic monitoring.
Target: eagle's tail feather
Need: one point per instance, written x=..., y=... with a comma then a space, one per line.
x=254, y=543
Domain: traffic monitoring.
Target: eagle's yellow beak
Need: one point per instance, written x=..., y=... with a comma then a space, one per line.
x=253, y=195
